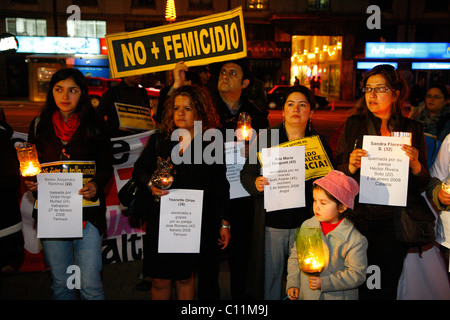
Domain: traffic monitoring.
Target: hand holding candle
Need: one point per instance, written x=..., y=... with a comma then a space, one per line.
x=28, y=159
x=244, y=127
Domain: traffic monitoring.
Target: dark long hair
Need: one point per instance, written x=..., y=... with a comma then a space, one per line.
x=84, y=108
x=394, y=82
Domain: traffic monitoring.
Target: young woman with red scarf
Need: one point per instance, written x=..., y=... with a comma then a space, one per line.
x=69, y=129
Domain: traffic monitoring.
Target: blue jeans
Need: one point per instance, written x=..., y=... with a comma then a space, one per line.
x=278, y=246
x=86, y=253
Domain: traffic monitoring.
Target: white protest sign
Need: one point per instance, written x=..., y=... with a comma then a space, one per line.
x=180, y=221
x=285, y=170
x=384, y=172
x=60, y=207
x=235, y=162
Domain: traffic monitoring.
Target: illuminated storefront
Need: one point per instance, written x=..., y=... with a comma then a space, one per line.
x=316, y=63
x=415, y=60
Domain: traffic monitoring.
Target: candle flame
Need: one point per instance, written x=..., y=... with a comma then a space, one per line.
x=30, y=170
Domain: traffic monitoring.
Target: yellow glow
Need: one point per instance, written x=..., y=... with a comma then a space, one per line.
x=171, y=14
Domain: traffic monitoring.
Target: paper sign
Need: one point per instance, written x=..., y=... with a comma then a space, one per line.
x=235, y=162
x=384, y=173
x=134, y=117
x=205, y=40
x=180, y=221
x=317, y=163
x=87, y=168
x=60, y=207
x=285, y=169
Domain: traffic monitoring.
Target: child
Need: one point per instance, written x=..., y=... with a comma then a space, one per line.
x=344, y=246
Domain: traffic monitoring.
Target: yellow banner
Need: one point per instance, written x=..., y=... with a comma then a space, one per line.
x=87, y=168
x=214, y=38
x=317, y=163
x=134, y=117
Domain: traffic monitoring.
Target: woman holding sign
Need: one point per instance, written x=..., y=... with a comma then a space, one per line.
x=69, y=130
x=185, y=106
x=381, y=114
x=273, y=232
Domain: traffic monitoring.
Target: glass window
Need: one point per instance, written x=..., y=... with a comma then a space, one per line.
x=85, y=2
x=200, y=4
x=26, y=27
x=318, y=5
x=257, y=4
x=436, y=6
x=86, y=28
x=143, y=3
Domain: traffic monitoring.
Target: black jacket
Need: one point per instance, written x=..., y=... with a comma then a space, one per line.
x=89, y=143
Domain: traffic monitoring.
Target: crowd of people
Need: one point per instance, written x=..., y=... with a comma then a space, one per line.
x=261, y=245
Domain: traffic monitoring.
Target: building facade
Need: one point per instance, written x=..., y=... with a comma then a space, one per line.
x=286, y=39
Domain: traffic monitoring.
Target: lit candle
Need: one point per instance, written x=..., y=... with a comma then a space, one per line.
x=28, y=159
x=244, y=128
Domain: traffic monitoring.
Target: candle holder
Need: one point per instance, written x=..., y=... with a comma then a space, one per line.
x=162, y=177
x=244, y=127
x=310, y=252
x=28, y=159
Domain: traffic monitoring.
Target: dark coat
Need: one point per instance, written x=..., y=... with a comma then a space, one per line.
x=255, y=274
x=89, y=143
x=122, y=93
x=211, y=178
x=11, y=238
x=352, y=138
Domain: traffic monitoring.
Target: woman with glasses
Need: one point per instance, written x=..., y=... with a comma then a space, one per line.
x=434, y=113
x=273, y=233
x=380, y=113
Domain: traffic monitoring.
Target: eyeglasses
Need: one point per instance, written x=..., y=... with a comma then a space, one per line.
x=376, y=89
x=436, y=97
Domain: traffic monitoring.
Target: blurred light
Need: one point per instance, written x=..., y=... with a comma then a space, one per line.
x=171, y=14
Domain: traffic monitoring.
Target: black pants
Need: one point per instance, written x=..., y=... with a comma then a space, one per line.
x=388, y=254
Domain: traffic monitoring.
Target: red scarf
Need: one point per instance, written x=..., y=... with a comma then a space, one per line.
x=65, y=130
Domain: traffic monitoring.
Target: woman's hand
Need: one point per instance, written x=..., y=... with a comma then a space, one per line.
x=225, y=236
x=159, y=192
x=89, y=190
x=413, y=155
x=260, y=182
x=354, y=162
x=30, y=185
x=444, y=197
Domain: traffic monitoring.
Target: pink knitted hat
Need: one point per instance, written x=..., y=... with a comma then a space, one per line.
x=341, y=186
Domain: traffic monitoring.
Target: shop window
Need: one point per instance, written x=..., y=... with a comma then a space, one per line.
x=25, y=1
x=92, y=3
x=143, y=3
x=26, y=27
x=436, y=6
x=321, y=5
x=200, y=4
x=257, y=4
x=86, y=28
